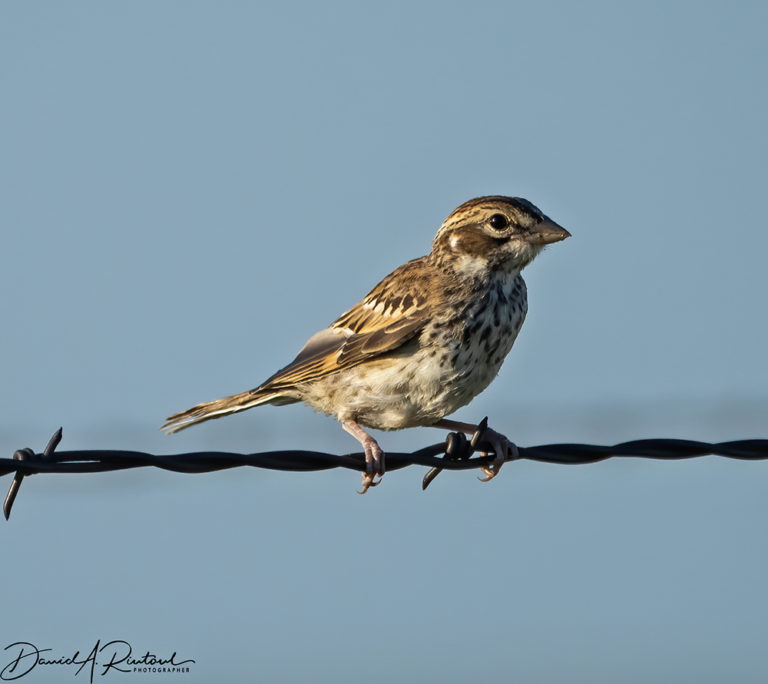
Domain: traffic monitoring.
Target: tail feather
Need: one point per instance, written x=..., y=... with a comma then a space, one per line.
x=221, y=407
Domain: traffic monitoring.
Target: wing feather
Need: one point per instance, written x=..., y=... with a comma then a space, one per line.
x=393, y=313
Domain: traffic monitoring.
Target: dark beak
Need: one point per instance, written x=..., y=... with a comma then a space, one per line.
x=546, y=232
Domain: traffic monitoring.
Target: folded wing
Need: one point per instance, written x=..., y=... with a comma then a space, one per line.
x=393, y=313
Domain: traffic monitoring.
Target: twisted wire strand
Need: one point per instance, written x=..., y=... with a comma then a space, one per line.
x=456, y=453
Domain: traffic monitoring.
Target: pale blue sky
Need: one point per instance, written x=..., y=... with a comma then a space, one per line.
x=189, y=190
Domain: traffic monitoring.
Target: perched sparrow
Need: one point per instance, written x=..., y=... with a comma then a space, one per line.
x=425, y=341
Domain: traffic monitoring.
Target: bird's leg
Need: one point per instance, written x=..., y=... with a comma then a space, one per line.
x=374, y=456
x=501, y=445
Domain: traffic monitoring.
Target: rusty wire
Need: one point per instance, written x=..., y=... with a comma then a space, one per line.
x=455, y=453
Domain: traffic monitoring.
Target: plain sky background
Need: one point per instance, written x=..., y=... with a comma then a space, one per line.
x=188, y=190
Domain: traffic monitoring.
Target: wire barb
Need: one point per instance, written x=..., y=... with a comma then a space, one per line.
x=457, y=448
x=25, y=455
x=456, y=453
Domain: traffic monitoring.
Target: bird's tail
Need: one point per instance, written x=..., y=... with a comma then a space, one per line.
x=223, y=407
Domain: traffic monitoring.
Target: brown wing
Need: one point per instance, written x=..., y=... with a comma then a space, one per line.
x=390, y=315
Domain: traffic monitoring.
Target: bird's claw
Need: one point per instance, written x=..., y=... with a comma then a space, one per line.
x=502, y=448
x=490, y=471
x=374, y=456
x=374, y=465
x=369, y=481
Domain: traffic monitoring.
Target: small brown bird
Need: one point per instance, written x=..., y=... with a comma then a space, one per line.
x=425, y=341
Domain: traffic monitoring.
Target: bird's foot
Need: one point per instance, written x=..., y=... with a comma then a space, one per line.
x=374, y=464
x=374, y=456
x=502, y=448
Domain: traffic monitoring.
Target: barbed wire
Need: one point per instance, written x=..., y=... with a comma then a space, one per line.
x=455, y=453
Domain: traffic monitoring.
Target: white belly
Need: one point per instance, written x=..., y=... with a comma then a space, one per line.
x=453, y=359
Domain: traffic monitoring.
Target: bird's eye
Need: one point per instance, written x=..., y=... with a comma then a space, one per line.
x=498, y=222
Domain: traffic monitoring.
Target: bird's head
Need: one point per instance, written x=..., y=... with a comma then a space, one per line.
x=494, y=233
